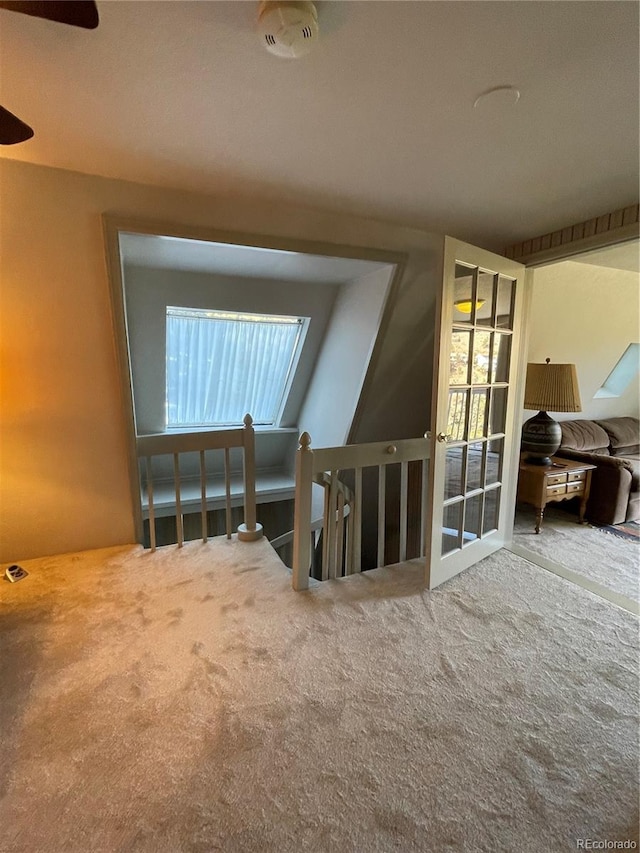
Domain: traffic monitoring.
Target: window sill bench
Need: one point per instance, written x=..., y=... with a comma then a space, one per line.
x=270, y=486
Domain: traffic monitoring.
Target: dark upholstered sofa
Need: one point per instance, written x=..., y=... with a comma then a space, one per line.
x=613, y=446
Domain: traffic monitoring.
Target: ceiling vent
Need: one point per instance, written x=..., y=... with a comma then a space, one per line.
x=288, y=29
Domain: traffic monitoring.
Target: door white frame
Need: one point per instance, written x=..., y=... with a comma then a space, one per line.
x=439, y=569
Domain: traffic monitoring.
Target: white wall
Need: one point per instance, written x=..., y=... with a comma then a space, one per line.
x=336, y=384
x=64, y=481
x=586, y=315
x=148, y=293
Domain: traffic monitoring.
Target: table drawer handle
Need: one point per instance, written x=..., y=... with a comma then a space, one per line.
x=577, y=475
x=556, y=478
x=557, y=490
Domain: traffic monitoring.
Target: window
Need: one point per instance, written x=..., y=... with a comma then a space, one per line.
x=622, y=374
x=221, y=365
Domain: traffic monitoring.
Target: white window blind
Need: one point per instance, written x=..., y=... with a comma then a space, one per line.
x=221, y=365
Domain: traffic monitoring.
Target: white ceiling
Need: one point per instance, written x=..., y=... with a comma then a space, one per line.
x=244, y=261
x=378, y=120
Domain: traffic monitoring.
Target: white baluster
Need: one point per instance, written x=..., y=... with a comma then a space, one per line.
x=326, y=516
x=250, y=530
x=423, y=505
x=349, y=531
x=152, y=518
x=340, y=523
x=176, y=480
x=227, y=492
x=357, y=522
x=330, y=524
x=404, y=485
x=382, y=472
x=203, y=496
x=302, y=514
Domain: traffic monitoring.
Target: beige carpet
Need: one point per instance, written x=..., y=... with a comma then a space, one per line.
x=595, y=554
x=189, y=701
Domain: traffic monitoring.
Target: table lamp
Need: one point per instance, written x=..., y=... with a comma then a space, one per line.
x=549, y=387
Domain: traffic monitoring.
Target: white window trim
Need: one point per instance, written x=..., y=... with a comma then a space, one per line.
x=275, y=426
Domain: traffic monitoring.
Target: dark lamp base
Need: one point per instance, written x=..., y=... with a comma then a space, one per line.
x=541, y=437
x=532, y=459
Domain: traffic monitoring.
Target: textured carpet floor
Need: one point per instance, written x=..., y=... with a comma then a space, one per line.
x=608, y=560
x=189, y=701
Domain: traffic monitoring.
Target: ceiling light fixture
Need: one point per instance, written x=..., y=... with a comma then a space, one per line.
x=499, y=94
x=465, y=306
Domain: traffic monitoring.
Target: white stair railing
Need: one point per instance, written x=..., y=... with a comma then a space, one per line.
x=163, y=444
x=342, y=517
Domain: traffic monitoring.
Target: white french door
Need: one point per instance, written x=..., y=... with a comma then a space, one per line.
x=474, y=453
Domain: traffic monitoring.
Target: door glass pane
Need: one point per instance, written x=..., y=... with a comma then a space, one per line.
x=498, y=417
x=459, y=357
x=478, y=413
x=481, y=358
x=475, y=456
x=482, y=304
x=453, y=472
x=501, y=357
x=485, y=297
x=451, y=523
x=457, y=414
x=491, y=508
x=506, y=294
x=463, y=295
x=472, y=519
x=495, y=451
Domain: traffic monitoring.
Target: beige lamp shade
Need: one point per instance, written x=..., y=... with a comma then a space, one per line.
x=552, y=388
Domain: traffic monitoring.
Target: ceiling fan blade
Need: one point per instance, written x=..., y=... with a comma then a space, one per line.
x=78, y=13
x=12, y=130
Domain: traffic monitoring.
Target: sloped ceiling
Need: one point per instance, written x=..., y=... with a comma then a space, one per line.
x=379, y=120
x=175, y=253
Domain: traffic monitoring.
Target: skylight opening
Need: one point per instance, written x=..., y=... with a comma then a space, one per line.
x=624, y=372
x=222, y=364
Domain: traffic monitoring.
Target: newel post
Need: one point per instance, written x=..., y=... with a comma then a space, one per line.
x=250, y=530
x=302, y=514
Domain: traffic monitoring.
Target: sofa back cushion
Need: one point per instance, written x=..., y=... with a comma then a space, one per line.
x=624, y=435
x=587, y=436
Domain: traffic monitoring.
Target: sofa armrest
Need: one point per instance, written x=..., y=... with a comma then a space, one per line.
x=600, y=460
x=610, y=486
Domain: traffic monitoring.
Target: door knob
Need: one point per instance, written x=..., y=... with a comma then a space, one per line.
x=443, y=437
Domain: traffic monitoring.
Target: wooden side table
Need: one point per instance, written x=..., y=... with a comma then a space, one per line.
x=564, y=479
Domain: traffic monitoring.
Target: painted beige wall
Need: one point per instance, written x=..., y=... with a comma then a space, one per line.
x=586, y=315
x=63, y=477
